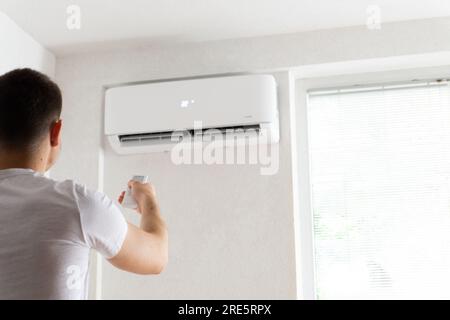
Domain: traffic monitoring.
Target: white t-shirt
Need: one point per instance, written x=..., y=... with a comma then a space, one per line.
x=47, y=229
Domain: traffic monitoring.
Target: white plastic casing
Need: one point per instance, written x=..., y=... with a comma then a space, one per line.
x=164, y=107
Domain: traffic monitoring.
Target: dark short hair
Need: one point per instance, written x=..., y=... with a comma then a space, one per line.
x=29, y=104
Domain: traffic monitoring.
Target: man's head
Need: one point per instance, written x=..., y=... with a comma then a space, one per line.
x=30, y=110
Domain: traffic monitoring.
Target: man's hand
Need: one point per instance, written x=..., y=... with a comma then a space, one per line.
x=143, y=193
x=145, y=249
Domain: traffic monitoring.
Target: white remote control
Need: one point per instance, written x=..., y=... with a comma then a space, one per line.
x=128, y=200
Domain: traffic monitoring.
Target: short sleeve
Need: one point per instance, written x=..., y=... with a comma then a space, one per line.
x=102, y=222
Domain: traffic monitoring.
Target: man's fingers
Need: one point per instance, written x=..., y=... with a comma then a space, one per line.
x=121, y=197
x=133, y=183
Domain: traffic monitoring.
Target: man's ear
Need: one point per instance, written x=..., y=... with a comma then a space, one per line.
x=55, y=133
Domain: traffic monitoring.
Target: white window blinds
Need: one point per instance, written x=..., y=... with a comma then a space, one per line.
x=380, y=178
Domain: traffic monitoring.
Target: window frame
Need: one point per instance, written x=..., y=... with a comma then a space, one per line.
x=306, y=268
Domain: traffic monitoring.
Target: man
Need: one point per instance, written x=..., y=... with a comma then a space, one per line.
x=47, y=228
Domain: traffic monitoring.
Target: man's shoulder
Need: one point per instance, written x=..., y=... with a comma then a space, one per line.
x=68, y=187
x=79, y=194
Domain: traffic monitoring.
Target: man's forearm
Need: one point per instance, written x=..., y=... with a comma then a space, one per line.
x=145, y=249
x=151, y=220
x=153, y=224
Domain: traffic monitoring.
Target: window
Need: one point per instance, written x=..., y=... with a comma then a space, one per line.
x=380, y=186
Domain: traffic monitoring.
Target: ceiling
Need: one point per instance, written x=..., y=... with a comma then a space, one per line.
x=106, y=22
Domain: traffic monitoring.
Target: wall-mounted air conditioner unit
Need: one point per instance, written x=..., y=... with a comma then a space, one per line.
x=154, y=117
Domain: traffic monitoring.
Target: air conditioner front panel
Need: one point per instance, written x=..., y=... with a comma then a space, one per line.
x=177, y=105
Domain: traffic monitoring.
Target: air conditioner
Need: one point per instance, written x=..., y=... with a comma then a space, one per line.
x=153, y=117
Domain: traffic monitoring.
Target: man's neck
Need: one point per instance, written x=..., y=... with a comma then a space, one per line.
x=22, y=161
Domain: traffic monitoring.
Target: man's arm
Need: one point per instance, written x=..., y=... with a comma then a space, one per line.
x=145, y=249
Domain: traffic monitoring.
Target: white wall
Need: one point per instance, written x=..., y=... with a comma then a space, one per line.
x=231, y=229
x=19, y=50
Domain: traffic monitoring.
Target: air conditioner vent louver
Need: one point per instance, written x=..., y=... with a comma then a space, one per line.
x=170, y=136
